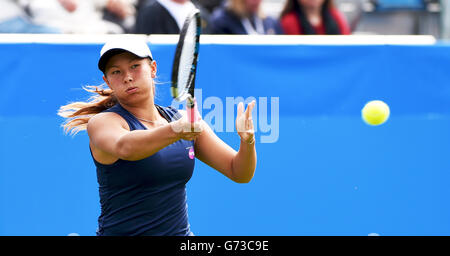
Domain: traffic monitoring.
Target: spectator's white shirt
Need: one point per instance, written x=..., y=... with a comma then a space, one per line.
x=10, y=9
x=87, y=18
x=178, y=11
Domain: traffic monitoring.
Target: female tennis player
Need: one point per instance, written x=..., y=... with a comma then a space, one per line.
x=144, y=153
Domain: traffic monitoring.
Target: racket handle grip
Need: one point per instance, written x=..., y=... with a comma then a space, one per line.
x=191, y=109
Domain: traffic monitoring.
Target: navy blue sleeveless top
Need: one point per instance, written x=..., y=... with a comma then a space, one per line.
x=148, y=196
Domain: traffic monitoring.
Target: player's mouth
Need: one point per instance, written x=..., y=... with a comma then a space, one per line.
x=131, y=90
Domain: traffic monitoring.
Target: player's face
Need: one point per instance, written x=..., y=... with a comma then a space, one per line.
x=252, y=6
x=311, y=3
x=130, y=77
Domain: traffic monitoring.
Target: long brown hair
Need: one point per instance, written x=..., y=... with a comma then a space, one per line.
x=291, y=5
x=79, y=113
x=330, y=24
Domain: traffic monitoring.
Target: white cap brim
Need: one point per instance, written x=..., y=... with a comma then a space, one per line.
x=111, y=48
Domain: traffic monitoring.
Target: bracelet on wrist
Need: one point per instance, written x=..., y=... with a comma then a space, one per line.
x=251, y=142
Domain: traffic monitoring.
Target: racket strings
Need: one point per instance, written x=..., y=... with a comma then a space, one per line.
x=186, y=65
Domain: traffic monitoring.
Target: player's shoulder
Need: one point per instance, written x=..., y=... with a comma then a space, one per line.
x=105, y=118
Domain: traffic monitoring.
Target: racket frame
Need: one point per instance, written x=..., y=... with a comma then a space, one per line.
x=188, y=92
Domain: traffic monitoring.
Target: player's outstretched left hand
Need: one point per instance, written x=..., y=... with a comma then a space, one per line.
x=244, y=122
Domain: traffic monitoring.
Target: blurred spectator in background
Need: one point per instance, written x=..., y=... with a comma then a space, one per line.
x=14, y=19
x=81, y=16
x=206, y=8
x=309, y=17
x=210, y=5
x=242, y=17
x=163, y=16
x=445, y=19
x=121, y=12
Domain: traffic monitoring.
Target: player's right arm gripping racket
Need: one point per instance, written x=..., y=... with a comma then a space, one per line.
x=185, y=64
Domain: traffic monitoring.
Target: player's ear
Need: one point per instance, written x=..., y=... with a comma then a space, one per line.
x=153, y=67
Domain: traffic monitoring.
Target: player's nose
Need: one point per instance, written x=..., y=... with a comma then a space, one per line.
x=127, y=78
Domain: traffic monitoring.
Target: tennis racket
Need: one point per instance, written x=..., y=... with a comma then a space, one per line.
x=185, y=64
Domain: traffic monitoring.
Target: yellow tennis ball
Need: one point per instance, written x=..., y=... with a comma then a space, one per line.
x=375, y=112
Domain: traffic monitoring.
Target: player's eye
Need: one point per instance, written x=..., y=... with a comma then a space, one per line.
x=115, y=72
x=134, y=66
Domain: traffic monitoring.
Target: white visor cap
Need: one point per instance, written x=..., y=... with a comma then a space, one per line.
x=111, y=48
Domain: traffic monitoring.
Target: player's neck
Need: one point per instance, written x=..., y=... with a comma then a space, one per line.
x=146, y=110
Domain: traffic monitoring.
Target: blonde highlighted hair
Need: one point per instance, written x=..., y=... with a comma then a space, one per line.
x=79, y=113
